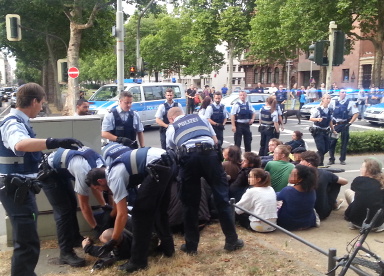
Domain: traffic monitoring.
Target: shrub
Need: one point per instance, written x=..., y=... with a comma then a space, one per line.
x=364, y=141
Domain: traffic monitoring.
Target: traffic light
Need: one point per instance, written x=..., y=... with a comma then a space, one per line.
x=338, y=48
x=62, y=71
x=132, y=71
x=316, y=53
x=12, y=22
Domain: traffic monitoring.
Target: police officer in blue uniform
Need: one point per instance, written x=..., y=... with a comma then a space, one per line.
x=321, y=117
x=281, y=98
x=217, y=115
x=161, y=114
x=113, y=150
x=122, y=124
x=154, y=169
x=269, y=124
x=68, y=165
x=20, y=154
x=194, y=139
x=242, y=117
x=345, y=112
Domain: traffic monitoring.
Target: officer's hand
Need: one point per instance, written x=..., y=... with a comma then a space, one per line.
x=233, y=129
x=347, y=125
x=125, y=141
x=319, y=119
x=106, y=248
x=67, y=143
x=97, y=231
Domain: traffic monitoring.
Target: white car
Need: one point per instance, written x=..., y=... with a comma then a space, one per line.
x=375, y=114
x=256, y=99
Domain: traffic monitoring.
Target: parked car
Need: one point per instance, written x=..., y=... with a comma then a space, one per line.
x=257, y=101
x=7, y=93
x=13, y=100
x=375, y=114
x=305, y=110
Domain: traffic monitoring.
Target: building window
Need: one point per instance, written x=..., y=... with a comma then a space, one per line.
x=276, y=76
x=284, y=75
x=269, y=75
x=234, y=68
x=256, y=75
x=236, y=80
x=262, y=75
x=345, y=75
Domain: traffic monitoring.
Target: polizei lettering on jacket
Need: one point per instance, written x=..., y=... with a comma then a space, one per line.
x=187, y=122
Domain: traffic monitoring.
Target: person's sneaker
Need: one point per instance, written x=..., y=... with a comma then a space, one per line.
x=351, y=226
x=331, y=162
x=130, y=267
x=72, y=259
x=343, y=163
x=184, y=248
x=234, y=246
x=338, y=204
x=379, y=229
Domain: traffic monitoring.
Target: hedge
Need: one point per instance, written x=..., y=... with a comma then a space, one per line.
x=364, y=141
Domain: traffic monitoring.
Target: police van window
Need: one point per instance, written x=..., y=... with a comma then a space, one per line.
x=135, y=91
x=104, y=93
x=176, y=90
x=153, y=93
x=256, y=99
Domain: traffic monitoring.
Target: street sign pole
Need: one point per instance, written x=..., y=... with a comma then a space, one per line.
x=120, y=46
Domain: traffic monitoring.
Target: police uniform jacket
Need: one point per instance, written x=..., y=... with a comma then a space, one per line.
x=109, y=120
x=162, y=111
x=343, y=109
x=216, y=112
x=242, y=107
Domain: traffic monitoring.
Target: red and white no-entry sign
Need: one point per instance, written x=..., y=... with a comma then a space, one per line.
x=73, y=72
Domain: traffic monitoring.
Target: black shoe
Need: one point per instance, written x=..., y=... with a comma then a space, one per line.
x=331, y=162
x=130, y=267
x=72, y=259
x=234, y=246
x=184, y=248
x=343, y=163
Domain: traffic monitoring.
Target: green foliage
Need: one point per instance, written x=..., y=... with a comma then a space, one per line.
x=364, y=141
x=26, y=74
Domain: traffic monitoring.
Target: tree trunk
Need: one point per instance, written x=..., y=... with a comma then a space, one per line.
x=73, y=61
x=230, y=60
x=377, y=66
x=54, y=95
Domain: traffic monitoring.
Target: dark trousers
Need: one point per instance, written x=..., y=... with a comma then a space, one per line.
x=207, y=165
x=151, y=211
x=243, y=130
x=26, y=241
x=59, y=191
x=163, y=142
x=219, y=134
x=322, y=141
x=190, y=107
x=266, y=133
x=344, y=136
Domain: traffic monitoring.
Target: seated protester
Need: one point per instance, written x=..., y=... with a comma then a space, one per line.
x=121, y=251
x=240, y=185
x=367, y=192
x=272, y=144
x=259, y=199
x=296, y=155
x=297, y=211
x=232, y=164
x=297, y=140
x=280, y=167
x=328, y=186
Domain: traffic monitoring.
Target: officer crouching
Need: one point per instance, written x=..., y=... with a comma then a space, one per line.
x=194, y=138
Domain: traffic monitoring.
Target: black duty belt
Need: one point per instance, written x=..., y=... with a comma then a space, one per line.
x=201, y=147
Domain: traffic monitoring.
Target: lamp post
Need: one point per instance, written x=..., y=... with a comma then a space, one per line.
x=120, y=46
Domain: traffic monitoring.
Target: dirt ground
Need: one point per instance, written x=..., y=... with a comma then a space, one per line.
x=264, y=254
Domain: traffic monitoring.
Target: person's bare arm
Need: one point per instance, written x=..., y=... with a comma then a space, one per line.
x=31, y=145
x=86, y=210
x=121, y=219
x=140, y=137
x=342, y=181
x=108, y=135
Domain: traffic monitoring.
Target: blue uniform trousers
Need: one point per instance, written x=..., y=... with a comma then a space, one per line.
x=322, y=141
x=243, y=130
x=343, y=131
x=266, y=133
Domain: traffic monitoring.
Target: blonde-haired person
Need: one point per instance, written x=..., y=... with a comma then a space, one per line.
x=260, y=200
x=367, y=192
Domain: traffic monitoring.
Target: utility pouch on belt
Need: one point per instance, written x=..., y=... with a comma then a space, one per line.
x=19, y=187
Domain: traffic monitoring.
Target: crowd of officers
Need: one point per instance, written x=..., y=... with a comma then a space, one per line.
x=190, y=146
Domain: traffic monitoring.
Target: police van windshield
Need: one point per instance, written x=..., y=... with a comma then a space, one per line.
x=104, y=93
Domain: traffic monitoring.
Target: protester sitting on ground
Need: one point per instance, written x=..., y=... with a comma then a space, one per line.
x=280, y=167
x=232, y=164
x=240, y=185
x=297, y=211
x=328, y=187
x=259, y=199
x=296, y=155
x=272, y=144
x=297, y=140
x=367, y=192
x=206, y=102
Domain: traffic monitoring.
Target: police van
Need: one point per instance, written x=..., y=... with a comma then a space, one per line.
x=146, y=98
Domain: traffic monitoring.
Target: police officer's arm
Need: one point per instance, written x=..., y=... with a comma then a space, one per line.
x=109, y=136
x=121, y=219
x=86, y=210
x=140, y=137
x=160, y=122
x=253, y=117
x=159, y=116
x=31, y=145
x=354, y=110
x=315, y=115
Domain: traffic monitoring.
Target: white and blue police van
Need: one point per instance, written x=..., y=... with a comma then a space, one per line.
x=146, y=98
